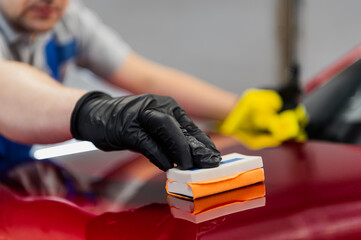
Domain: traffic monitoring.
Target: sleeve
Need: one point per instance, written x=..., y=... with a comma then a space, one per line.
x=99, y=48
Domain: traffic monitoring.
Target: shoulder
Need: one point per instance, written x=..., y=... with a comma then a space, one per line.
x=68, y=23
x=4, y=48
x=77, y=19
x=72, y=23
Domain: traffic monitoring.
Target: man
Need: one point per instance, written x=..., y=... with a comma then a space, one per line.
x=50, y=36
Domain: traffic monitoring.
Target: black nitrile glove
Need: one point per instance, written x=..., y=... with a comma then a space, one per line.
x=153, y=125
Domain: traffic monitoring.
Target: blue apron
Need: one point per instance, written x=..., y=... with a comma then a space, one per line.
x=12, y=153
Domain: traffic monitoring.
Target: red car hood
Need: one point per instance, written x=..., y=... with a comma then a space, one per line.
x=312, y=191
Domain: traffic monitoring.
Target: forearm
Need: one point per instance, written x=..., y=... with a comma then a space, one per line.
x=34, y=108
x=197, y=97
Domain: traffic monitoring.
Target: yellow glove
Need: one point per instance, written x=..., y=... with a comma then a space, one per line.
x=257, y=120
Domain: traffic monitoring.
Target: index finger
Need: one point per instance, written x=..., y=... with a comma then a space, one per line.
x=165, y=129
x=192, y=129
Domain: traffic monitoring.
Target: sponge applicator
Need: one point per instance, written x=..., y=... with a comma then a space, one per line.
x=235, y=171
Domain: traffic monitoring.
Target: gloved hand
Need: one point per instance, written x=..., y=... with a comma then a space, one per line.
x=260, y=119
x=154, y=125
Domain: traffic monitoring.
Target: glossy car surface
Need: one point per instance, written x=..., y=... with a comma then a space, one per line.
x=312, y=191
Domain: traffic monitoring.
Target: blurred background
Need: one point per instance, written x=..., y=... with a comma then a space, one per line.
x=234, y=44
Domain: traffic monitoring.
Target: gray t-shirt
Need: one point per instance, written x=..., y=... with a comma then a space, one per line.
x=79, y=38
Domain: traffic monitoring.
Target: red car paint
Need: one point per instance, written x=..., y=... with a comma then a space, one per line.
x=337, y=67
x=313, y=191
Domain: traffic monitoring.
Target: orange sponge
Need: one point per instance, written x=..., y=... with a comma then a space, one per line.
x=247, y=168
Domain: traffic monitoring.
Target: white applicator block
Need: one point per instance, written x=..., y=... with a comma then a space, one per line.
x=231, y=164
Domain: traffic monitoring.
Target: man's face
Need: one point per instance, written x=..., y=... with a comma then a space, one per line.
x=33, y=16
